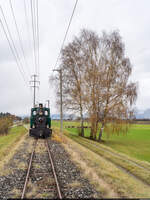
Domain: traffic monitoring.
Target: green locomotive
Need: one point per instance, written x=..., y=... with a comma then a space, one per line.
x=40, y=122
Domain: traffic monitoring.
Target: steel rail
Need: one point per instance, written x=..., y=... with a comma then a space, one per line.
x=28, y=171
x=53, y=169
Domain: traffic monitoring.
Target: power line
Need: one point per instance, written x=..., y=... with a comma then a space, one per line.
x=66, y=32
x=36, y=24
x=33, y=33
x=12, y=45
x=28, y=28
x=19, y=36
x=11, y=48
x=37, y=33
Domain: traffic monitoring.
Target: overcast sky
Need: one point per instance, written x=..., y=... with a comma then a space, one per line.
x=130, y=17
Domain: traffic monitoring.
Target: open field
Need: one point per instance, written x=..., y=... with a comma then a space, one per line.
x=136, y=143
x=7, y=142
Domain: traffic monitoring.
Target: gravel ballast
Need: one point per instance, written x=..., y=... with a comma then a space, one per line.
x=72, y=183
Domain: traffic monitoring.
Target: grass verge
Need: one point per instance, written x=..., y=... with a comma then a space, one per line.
x=142, y=164
x=8, y=143
x=140, y=173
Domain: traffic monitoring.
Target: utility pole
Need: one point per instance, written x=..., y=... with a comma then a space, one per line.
x=34, y=86
x=61, y=109
x=48, y=103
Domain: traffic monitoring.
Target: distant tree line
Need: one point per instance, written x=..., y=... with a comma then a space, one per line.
x=144, y=119
x=96, y=71
x=7, y=114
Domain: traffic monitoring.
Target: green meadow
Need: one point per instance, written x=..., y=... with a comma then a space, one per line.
x=136, y=143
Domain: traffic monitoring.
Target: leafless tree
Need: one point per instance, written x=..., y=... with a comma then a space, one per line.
x=92, y=78
x=118, y=94
x=72, y=65
x=96, y=80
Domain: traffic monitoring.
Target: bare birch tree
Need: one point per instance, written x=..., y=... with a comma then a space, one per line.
x=96, y=80
x=92, y=78
x=118, y=94
x=73, y=69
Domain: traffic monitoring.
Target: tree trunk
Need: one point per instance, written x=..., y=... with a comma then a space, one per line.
x=91, y=133
x=101, y=133
x=81, y=133
x=94, y=136
x=82, y=126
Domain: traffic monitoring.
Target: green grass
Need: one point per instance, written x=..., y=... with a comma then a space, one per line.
x=7, y=142
x=119, y=161
x=136, y=143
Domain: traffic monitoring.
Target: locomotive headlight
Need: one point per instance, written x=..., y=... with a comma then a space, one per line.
x=40, y=113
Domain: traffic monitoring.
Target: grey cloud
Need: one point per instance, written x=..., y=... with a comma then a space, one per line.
x=130, y=17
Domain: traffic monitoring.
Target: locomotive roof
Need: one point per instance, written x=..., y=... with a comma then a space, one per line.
x=44, y=108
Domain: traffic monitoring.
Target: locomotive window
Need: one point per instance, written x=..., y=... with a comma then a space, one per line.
x=34, y=112
x=46, y=112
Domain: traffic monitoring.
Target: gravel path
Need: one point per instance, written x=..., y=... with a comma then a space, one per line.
x=73, y=185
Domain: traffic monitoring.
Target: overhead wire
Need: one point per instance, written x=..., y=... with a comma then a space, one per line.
x=33, y=33
x=12, y=46
x=34, y=23
x=37, y=35
x=36, y=29
x=20, y=39
x=62, y=45
x=67, y=30
x=28, y=32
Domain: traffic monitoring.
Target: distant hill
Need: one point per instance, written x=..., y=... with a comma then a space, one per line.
x=143, y=114
x=139, y=115
x=65, y=116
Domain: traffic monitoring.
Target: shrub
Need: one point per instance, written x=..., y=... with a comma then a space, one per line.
x=26, y=120
x=5, y=123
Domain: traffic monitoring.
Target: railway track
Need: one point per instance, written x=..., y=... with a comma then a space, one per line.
x=48, y=173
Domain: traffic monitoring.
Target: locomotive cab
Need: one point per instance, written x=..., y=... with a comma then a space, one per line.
x=40, y=122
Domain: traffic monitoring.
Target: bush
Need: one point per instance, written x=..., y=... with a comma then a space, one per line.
x=5, y=123
x=26, y=120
